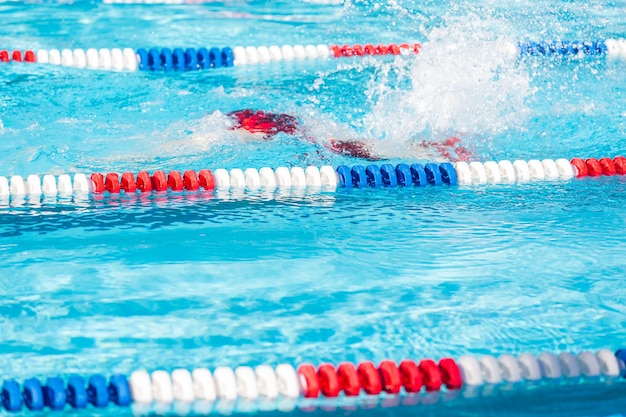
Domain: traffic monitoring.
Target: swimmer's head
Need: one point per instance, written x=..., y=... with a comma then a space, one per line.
x=269, y=124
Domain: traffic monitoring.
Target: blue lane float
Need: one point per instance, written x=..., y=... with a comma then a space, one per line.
x=418, y=175
x=433, y=175
x=389, y=176
x=448, y=173
x=359, y=176
x=374, y=179
x=344, y=175
x=55, y=395
x=403, y=175
x=190, y=59
x=563, y=48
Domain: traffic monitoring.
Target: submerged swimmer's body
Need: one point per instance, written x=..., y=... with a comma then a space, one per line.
x=265, y=126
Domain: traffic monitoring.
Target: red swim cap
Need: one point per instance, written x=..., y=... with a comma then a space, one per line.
x=261, y=122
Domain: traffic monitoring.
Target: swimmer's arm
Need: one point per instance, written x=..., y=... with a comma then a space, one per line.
x=451, y=149
x=354, y=148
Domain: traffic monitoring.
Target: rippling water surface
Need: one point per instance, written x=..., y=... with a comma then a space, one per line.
x=117, y=283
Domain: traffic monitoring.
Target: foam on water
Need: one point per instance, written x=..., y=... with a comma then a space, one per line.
x=464, y=82
x=201, y=134
x=185, y=138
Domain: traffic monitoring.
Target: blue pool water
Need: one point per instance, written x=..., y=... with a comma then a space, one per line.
x=119, y=283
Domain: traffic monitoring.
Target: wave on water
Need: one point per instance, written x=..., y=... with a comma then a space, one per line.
x=466, y=83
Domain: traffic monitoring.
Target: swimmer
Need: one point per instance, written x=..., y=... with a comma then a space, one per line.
x=265, y=126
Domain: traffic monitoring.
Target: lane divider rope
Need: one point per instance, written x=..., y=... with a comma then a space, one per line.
x=327, y=380
x=189, y=59
x=326, y=178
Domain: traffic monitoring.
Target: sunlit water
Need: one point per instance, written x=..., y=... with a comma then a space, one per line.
x=118, y=283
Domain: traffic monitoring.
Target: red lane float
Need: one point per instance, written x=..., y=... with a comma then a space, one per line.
x=593, y=167
x=358, y=50
x=620, y=165
x=608, y=167
x=128, y=182
x=369, y=378
x=346, y=50
x=309, y=381
x=328, y=380
x=431, y=375
x=175, y=181
x=394, y=49
x=190, y=180
x=144, y=182
x=17, y=56
x=206, y=180
x=387, y=377
x=112, y=183
x=581, y=167
x=411, y=376
x=390, y=377
x=159, y=181
x=98, y=182
x=369, y=49
x=349, y=379
x=450, y=373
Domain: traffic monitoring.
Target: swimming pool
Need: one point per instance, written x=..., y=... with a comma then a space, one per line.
x=109, y=283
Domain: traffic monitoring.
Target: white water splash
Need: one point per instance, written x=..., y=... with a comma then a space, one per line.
x=464, y=82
